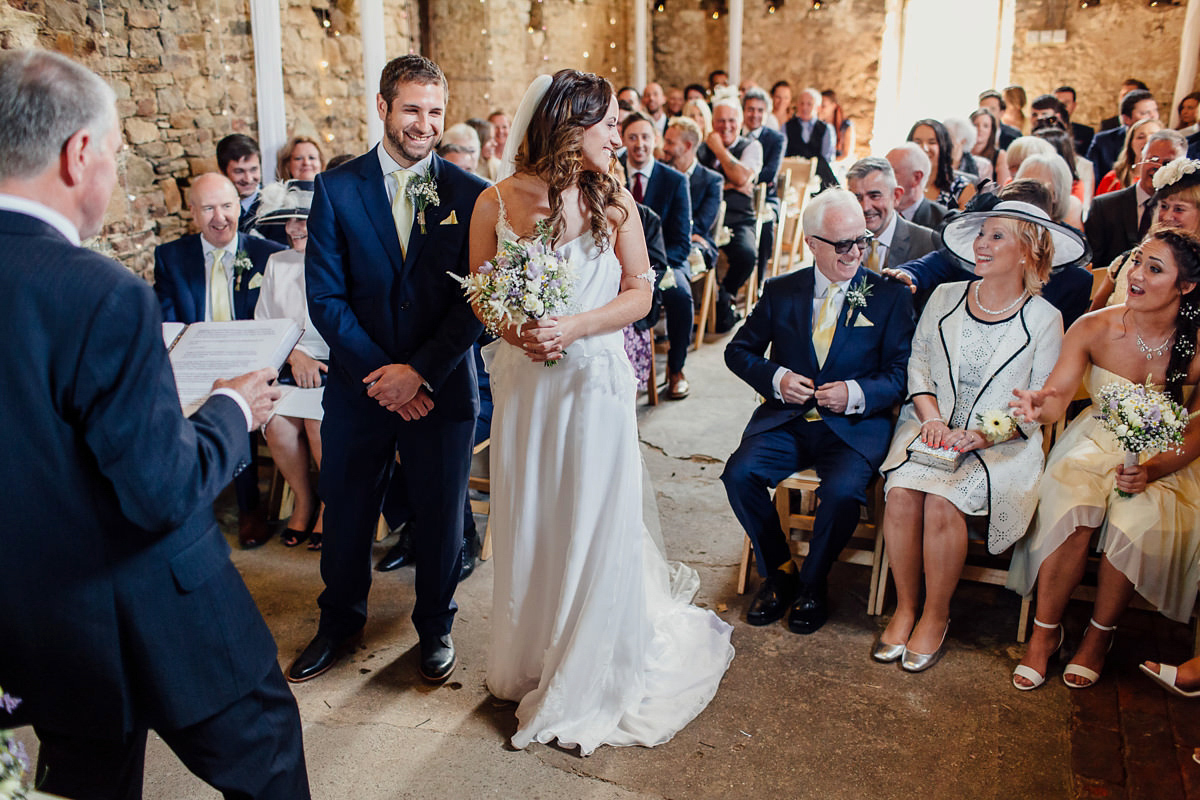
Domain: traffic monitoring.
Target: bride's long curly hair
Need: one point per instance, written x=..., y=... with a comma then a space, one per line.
x=552, y=149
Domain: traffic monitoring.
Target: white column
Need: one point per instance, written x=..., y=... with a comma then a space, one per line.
x=639, y=44
x=268, y=78
x=374, y=59
x=887, y=124
x=1189, y=50
x=1004, y=43
x=736, y=11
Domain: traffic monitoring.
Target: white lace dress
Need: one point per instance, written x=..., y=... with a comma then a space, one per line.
x=592, y=634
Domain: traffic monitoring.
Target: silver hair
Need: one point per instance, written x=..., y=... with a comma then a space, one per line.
x=755, y=93
x=728, y=102
x=813, y=216
x=914, y=159
x=1023, y=147
x=814, y=94
x=961, y=131
x=45, y=99
x=1167, y=135
x=461, y=136
x=1060, y=173
x=865, y=166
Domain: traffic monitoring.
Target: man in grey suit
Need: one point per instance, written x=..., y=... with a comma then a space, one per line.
x=912, y=169
x=896, y=240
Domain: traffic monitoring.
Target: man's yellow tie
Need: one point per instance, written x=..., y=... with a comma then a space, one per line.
x=874, y=256
x=402, y=208
x=218, y=289
x=826, y=322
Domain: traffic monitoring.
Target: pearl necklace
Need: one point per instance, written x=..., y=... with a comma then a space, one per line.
x=1004, y=310
x=1152, y=352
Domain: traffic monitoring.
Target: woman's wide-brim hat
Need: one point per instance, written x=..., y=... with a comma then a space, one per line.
x=960, y=232
x=283, y=200
x=1175, y=176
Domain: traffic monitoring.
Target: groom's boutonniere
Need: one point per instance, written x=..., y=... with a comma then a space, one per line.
x=241, y=265
x=423, y=193
x=856, y=297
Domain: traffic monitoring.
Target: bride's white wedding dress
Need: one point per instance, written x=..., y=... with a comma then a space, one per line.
x=592, y=634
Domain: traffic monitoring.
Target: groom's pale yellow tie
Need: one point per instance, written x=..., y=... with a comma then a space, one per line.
x=402, y=208
x=218, y=289
x=826, y=322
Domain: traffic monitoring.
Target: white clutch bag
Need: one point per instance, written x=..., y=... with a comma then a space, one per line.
x=943, y=458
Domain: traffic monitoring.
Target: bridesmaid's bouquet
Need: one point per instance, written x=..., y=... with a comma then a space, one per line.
x=527, y=280
x=1141, y=419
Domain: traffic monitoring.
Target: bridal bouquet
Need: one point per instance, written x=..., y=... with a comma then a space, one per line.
x=13, y=761
x=1141, y=418
x=527, y=280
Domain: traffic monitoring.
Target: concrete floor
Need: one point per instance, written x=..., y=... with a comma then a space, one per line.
x=796, y=717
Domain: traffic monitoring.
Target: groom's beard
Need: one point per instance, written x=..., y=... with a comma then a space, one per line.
x=410, y=150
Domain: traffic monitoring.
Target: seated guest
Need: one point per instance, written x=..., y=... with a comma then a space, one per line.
x=675, y=101
x=1025, y=146
x=694, y=91
x=843, y=127
x=1068, y=288
x=697, y=111
x=214, y=276
x=962, y=140
x=975, y=343
x=993, y=101
x=1128, y=85
x=294, y=432
x=239, y=159
x=912, y=168
x=809, y=137
x=894, y=240
x=1136, y=105
x=653, y=105
x=704, y=185
x=1124, y=172
x=630, y=95
x=299, y=160
x=500, y=126
x=754, y=112
x=716, y=79
x=1056, y=130
x=946, y=186
x=1150, y=541
x=839, y=339
x=781, y=104
x=991, y=160
x=460, y=146
x=1014, y=107
x=489, y=158
x=1083, y=134
x=1052, y=172
x=1120, y=219
x=665, y=192
x=739, y=160
x=1188, y=118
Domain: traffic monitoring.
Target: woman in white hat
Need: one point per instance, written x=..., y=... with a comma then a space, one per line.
x=294, y=433
x=957, y=457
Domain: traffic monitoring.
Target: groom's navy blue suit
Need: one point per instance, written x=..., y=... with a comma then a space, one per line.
x=845, y=449
x=376, y=306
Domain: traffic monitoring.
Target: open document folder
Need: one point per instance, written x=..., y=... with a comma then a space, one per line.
x=204, y=352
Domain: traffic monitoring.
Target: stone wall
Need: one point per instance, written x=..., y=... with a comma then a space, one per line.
x=1105, y=44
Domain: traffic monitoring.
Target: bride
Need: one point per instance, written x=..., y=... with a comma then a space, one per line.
x=592, y=635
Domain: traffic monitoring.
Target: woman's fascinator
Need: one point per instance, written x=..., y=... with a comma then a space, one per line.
x=283, y=200
x=1174, y=176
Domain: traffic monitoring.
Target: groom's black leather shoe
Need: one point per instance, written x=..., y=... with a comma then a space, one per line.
x=401, y=553
x=809, y=612
x=437, y=658
x=321, y=654
x=774, y=596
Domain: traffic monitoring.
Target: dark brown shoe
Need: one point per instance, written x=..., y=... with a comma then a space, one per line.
x=677, y=386
x=252, y=529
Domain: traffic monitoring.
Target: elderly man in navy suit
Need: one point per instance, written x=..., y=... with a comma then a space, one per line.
x=664, y=191
x=384, y=230
x=125, y=611
x=839, y=339
x=704, y=185
x=214, y=276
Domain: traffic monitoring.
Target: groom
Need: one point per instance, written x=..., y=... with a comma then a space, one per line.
x=839, y=338
x=383, y=232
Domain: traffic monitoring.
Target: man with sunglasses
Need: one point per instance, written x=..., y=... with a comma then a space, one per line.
x=839, y=338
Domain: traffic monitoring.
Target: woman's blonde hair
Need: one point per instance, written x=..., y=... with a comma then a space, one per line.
x=705, y=112
x=282, y=170
x=1037, y=249
x=1123, y=166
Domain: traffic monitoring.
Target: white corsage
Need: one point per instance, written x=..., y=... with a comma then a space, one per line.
x=856, y=297
x=1171, y=172
x=996, y=425
x=423, y=193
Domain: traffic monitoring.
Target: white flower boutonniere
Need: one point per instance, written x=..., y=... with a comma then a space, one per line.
x=241, y=265
x=856, y=297
x=423, y=193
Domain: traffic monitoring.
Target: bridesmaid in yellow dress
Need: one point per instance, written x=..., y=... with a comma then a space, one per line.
x=1151, y=541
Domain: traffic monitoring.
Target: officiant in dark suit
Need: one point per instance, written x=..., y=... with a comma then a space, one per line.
x=214, y=276
x=839, y=338
x=383, y=232
x=125, y=611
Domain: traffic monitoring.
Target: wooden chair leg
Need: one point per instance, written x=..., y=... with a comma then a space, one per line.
x=652, y=381
x=706, y=303
x=1023, y=620
x=485, y=552
x=744, y=570
x=876, y=567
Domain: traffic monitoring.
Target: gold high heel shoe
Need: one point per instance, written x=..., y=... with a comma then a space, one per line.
x=919, y=662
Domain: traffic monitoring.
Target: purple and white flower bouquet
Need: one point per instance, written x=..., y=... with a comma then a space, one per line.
x=1142, y=419
x=526, y=280
x=13, y=760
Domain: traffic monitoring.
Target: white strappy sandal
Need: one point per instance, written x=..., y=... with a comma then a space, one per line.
x=1089, y=675
x=1030, y=674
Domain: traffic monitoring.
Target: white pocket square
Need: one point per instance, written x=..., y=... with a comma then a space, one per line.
x=862, y=322
x=450, y=220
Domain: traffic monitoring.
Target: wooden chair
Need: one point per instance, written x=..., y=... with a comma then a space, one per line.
x=800, y=172
x=705, y=317
x=481, y=484
x=774, y=267
x=761, y=217
x=795, y=502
